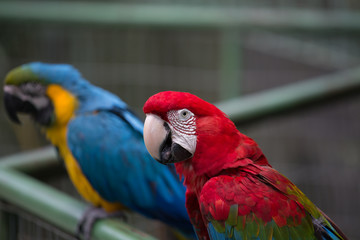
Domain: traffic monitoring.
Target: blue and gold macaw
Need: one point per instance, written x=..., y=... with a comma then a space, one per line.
x=100, y=141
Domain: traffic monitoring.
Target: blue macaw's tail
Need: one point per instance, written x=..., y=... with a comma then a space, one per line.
x=120, y=169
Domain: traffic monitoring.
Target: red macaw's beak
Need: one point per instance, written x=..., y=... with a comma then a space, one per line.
x=159, y=142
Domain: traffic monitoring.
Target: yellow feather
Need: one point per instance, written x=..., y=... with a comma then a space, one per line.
x=65, y=105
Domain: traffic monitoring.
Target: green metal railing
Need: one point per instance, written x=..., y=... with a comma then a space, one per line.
x=230, y=21
x=48, y=203
x=145, y=15
x=64, y=211
x=291, y=97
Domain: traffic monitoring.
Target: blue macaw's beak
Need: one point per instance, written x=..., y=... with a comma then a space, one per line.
x=18, y=100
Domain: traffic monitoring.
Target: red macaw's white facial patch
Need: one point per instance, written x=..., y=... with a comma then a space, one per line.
x=154, y=134
x=183, y=128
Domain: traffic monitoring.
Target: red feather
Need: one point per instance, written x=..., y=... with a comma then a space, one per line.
x=229, y=172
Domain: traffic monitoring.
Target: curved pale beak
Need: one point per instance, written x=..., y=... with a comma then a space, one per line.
x=154, y=134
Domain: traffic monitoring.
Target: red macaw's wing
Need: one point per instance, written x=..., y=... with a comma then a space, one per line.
x=247, y=205
x=324, y=227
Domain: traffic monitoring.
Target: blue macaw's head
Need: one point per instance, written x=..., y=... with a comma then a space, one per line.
x=52, y=93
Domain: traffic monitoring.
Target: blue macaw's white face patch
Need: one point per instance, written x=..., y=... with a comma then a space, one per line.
x=30, y=92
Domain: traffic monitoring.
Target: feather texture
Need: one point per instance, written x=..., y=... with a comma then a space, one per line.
x=119, y=168
x=232, y=190
x=101, y=142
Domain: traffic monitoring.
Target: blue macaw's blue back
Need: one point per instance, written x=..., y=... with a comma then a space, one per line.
x=120, y=169
x=106, y=140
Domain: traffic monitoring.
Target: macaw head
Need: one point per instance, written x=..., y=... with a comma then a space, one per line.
x=41, y=90
x=181, y=127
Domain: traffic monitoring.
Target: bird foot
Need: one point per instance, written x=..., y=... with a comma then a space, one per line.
x=89, y=218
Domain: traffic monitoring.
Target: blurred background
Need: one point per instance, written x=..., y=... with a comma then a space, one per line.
x=217, y=50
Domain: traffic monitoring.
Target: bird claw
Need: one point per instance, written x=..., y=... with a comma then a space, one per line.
x=89, y=218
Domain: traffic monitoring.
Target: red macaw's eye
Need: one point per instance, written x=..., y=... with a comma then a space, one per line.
x=184, y=114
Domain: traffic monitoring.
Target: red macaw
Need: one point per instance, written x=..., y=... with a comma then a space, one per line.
x=232, y=190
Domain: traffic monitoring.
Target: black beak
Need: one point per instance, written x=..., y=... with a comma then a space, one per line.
x=171, y=152
x=39, y=107
x=12, y=104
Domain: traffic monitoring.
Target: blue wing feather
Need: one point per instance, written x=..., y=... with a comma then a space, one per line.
x=106, y=140
x=119, y=168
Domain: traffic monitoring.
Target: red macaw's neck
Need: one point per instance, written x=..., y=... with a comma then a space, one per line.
x=192, y=181
x=220, y=146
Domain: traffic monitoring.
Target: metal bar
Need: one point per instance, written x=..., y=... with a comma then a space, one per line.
x=28, y=161
x=58, y=208
x=120, y=14
x=302, y=50
x=258, y=105
x=230, y=64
